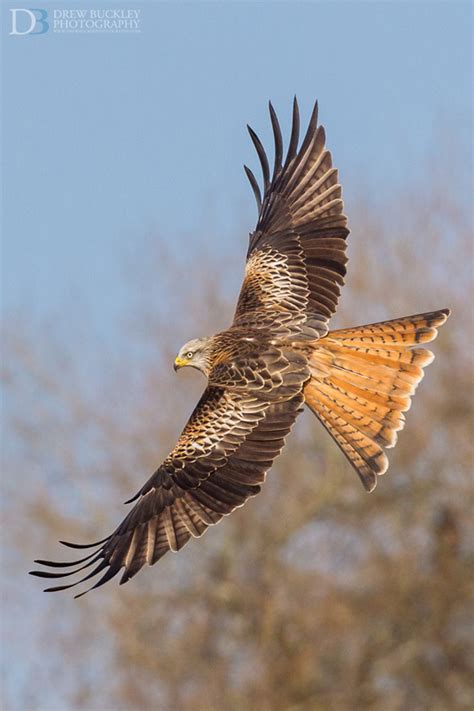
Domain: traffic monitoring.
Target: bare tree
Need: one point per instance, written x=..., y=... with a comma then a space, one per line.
x=315, y=595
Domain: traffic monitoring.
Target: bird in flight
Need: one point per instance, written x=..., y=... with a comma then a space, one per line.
x=277, y=356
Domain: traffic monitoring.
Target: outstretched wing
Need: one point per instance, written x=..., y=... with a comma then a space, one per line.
x=219, y=461
x=296, y=258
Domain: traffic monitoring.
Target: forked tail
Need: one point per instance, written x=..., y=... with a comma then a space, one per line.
x=362, y=382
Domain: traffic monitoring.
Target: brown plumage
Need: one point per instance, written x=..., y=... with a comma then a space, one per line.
x=277, y=355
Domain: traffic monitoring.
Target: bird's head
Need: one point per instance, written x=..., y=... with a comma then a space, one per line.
x=195, y=353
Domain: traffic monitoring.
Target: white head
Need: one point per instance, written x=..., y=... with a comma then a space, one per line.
x=195, y=353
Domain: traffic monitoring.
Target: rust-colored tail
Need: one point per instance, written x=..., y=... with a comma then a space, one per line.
x=363, y=380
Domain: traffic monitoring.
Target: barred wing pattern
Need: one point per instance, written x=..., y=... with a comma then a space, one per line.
x=296, y=258
x=220, y=460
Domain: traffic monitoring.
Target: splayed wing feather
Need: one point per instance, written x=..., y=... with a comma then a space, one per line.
x=300, y=237
x=255, y=186
x=295, y=134
x=278, y=140
x=148, y=532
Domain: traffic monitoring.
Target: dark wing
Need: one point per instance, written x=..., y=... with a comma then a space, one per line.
x=219, y=461
x=296, y=258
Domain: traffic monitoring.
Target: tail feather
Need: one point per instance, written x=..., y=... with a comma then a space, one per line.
x=367, y=457
x=362, y=382
x=420, y=328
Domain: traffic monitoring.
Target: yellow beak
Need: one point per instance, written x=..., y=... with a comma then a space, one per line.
x=179, y=363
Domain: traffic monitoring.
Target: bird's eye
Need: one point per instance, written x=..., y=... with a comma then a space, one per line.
x=189, y=355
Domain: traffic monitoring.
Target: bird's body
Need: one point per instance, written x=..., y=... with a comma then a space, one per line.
x=277, y=355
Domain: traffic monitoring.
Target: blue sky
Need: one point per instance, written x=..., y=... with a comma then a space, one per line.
x=109, y=137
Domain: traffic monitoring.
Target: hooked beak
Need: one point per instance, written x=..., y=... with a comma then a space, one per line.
x=179, y=363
